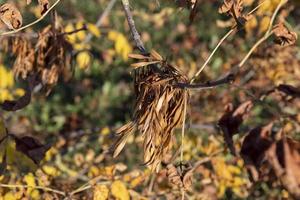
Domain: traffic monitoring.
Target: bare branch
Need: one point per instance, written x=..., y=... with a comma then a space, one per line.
x=101, y=19
x=135, y=34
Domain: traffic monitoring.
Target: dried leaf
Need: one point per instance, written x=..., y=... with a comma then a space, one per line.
x=32, y=148
x=234, y=8
x=283, y=36
x=232, y=119
x=254, y=148
x=289, y=90
x=11, y=16
x=44, y=6
x=180, y=175
x=284, y=158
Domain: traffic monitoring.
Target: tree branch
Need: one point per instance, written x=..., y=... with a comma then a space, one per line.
x=135, y=34
x=101, y=19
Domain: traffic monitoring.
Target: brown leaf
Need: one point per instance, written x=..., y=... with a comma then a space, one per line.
x=32, y=148
x=284, y=158
x=180, y=175
x=44, y=6
x=10, y=16
x=226, y=6
x=283, y=36
x=234, y=8
x=254, y=148
x=194, y=11
x=232, y=119
x=289, y=90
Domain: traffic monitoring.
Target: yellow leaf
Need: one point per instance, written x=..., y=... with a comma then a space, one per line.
x=50, y=170
x=5, y=95
x=101, y=192
x=19, y=92
x=7, y=78
x=9, y=196
x=105, y=131
x=93, y=29
x=70, y=37
x=80, y=34
x=122, y=46
x=30, y=181
x=119, y=191
x=264, y=24
x=83, y=59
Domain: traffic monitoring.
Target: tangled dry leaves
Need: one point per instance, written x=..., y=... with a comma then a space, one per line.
x=234, y=8
x=158, y=110
x=51, y=58
x=180, y=175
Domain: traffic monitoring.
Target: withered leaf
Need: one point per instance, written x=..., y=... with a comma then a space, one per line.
x=226, y=6
x=284, y=158
x=283, y=35
x=231, y=120
x=289, y=90
x=14, y=105
x=10, y=16
x=194, y=10
x=254, y=148
x=234, y=8
x=44, y=6
x=180, y=175
x=32, y=148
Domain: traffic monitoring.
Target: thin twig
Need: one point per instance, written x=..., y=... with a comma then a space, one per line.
x=212, y=53
x=183, y=124
x=266, y=35
x=34, y=187
x=234, y=71
x=32, y=23
x=101, y=19
x=135, y=34
x=209, y=84
x=220, y=42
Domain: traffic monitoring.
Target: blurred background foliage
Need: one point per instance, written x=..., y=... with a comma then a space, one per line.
x=78, y=117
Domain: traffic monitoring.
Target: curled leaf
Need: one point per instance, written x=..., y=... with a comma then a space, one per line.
x=180, y=175
x=254, y=148
x=10, y=16
x=232, y=119
x=283, y=36
x=44, y=6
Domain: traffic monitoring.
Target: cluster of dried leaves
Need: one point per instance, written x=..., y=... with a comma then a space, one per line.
x=269, y=155
x=180, y=176
x=234, y=8
x=158, y=110
x=38, y=62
